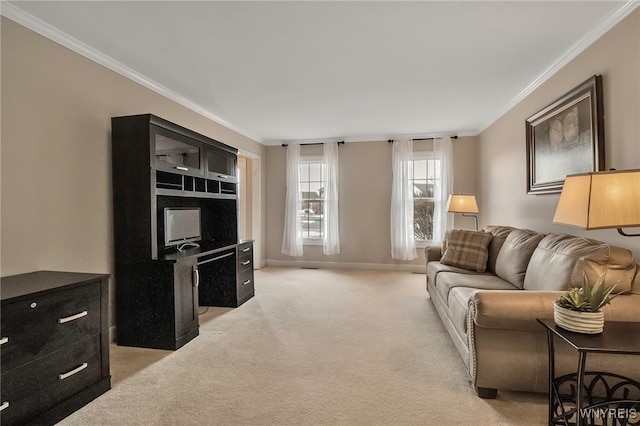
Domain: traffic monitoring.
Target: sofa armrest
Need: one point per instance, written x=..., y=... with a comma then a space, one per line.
x=433, y=253
x=512, y=310
x=623, y=307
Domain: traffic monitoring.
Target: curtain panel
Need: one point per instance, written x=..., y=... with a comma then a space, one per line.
x=292, y=243
x=331, y=241
x=403, y=244
x=443, y=220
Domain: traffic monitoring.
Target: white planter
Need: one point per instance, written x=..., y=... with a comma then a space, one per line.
x=580, y=322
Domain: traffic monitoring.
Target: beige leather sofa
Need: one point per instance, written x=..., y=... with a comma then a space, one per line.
x=491, y=315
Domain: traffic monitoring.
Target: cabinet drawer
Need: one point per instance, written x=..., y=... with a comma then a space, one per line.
x=245, y=262
x=245, y=257
x=245, y=283
x=39, y=385
x=245, y=250
x=37, y=326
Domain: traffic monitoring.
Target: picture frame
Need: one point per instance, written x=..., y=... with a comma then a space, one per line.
x=566, y=137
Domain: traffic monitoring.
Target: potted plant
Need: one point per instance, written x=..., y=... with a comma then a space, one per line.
x=579, y=309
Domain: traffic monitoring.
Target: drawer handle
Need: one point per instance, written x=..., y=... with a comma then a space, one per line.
x=223, y=177
x=196, y=277
x=74, y=371
x=4, y=340
x=246, y=282
x=246, y=249
x=72, y=317
x=246, y=262
x=4, y=405
x=184, y=169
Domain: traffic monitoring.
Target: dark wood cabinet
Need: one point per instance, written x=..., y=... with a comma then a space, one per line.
x=55, y=345
x=186, y=279
x=174, y=152
x=245, y=289
x=221, y=165
x=228, y=276
x=158, y=165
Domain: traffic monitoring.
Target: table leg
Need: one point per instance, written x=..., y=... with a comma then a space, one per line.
x=552, y=374
x=580, y=420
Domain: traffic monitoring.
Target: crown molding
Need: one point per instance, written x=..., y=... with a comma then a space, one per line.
x=29, y=21
x=374, y=137
x=567, y=57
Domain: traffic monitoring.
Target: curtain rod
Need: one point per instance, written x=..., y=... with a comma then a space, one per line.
x=315, y=143
x=426, y=139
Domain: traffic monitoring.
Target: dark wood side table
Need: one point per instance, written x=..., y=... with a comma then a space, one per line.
x=583, y=398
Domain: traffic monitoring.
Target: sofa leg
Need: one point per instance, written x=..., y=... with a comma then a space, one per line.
x=487, y=393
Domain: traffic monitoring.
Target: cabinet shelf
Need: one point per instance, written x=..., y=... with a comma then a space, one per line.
x=192, y=186
x=191, y=194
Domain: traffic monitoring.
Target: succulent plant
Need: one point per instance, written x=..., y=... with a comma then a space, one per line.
x=587, y=298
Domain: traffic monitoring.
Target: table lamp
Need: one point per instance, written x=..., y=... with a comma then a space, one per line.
x=601, y=200
x=464, y=204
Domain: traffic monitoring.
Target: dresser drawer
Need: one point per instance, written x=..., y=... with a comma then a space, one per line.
x=245, y=257
x=245, y=249
x=34, y=327
x=34, y=387
x=245, y=262
x=245, y=283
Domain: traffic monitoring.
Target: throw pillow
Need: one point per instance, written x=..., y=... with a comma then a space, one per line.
x=467, y=249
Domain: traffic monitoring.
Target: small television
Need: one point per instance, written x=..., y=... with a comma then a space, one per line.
x=181, y=225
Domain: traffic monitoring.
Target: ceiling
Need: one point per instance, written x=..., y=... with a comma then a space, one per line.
x=300, y=70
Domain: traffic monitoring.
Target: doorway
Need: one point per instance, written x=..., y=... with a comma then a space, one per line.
x=249, y=206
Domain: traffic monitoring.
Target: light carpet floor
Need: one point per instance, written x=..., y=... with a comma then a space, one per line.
x=312, y=347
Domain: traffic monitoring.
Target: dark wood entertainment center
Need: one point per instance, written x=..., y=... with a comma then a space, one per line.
x=156, y=165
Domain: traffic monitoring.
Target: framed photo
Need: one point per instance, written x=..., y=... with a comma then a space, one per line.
x=565, y=138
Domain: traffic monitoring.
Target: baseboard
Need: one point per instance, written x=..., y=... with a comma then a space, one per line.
x=345, y=265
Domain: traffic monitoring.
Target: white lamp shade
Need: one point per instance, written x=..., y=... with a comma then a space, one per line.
x=460, y=203
x=600, y=200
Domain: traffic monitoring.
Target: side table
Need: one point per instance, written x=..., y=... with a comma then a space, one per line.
x=587, y=398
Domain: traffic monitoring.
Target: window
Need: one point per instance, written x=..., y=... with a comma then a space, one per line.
x=312, y=177
x=425, y=180
x=311, y=204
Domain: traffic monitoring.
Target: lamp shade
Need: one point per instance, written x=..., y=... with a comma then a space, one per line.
x=460, y=203
x=600, y=200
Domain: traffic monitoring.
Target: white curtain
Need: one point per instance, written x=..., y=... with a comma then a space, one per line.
x=331, y=242
x=403, y=244
x=442, y=220
x=292, y=237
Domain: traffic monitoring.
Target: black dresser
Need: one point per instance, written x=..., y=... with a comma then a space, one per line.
x=54, y=345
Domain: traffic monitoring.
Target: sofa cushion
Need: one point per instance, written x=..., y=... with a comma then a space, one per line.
x=434, y=268
x=466, y=249
x=500, y=234
x=514, y=256
x=560, y=261
x=450, y=280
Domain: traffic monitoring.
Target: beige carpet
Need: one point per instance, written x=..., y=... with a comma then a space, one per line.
x=312, y=347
